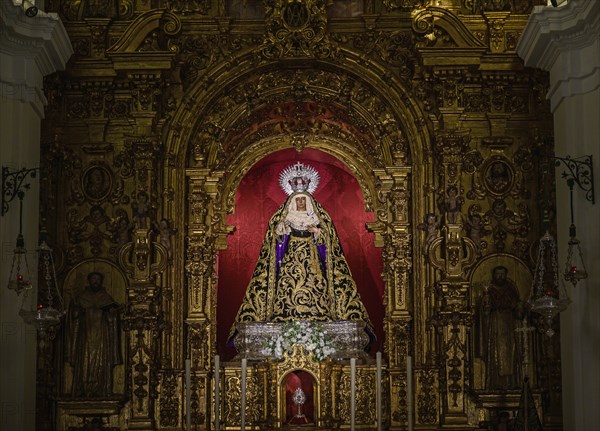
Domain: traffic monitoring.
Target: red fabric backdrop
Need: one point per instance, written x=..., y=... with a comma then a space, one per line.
x=259, y=196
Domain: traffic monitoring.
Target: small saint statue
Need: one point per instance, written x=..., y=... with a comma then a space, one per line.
x=93, y=339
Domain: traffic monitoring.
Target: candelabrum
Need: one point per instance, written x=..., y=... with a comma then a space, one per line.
x=575, y=267
x=548, y=296
x=19, y=278
x=44, y=308
x=46, y=311
x=578, y=171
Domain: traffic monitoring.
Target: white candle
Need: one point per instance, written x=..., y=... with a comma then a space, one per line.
x=378, y=395
x=352, y=393
x=188, y=395
x=243, y=384
x=217, y=393
x=409, y=392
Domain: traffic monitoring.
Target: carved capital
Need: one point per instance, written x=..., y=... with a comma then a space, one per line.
x=452, y=144
x=451, y=253
x=143, y=259
x=454, y=298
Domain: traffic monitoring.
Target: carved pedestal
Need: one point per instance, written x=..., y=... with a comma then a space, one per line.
x=347, y=339
x=76, y=415
x=327, y=383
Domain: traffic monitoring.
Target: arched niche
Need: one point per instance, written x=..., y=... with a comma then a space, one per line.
x=115, y=283
x=299, y=413
x=259, y=195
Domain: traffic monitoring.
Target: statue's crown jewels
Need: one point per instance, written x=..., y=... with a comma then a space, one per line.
x=299, y=178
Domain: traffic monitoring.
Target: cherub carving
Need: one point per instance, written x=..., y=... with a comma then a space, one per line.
x=430, y=227
x=452, y=205
x=165, y=233
x=476, y=230
x=141, y=210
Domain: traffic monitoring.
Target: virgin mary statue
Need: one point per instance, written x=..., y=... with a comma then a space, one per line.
x=301, y=273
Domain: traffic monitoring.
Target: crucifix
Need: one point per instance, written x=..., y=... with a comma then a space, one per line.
x=524, y=331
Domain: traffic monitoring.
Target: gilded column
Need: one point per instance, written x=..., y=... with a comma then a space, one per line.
x=392, y=225
x=142, y=259
x=200, y=262
x=452, y=254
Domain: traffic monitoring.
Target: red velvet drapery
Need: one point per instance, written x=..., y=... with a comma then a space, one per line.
x=258, y=197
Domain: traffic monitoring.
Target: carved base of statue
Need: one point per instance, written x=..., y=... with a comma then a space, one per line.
x=299, y=392
x=337, y=340
x=85, y=414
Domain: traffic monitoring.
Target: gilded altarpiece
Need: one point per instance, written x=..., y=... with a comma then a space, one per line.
x=164, y=108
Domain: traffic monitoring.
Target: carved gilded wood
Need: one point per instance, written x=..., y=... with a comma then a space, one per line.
x=167, y=105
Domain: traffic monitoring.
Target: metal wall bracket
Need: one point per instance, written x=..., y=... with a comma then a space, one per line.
x=580, y=171
x=12, y=184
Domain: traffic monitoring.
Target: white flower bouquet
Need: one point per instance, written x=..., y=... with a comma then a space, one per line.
x=301, y=332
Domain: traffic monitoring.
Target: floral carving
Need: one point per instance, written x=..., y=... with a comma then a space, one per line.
x=297, y=29
x=169, y=400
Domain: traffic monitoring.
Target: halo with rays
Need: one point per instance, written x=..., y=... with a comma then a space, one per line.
x=299, y=170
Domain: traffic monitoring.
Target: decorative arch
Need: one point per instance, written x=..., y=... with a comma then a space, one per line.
x=380, y=138
x=235, y=84
x=397, y=134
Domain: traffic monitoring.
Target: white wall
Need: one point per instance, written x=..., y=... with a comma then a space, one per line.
x=565, y=41
x=30, y=48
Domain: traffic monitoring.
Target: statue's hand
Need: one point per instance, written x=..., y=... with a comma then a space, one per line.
x=314, y=229
x=282, y=229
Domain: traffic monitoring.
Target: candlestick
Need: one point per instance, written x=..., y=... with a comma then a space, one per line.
x=409, y=392
x=243, y=383
x=379, y=418
x=188, y=395
x=217, y=392
x=352, y=393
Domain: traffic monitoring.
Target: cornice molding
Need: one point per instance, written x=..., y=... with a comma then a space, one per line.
x=39, y=41
x=564, y=41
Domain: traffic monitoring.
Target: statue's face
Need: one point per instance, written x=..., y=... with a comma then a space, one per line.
x=95, y=282
x=500, y=276
x=301, y=203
